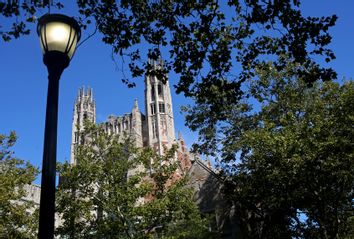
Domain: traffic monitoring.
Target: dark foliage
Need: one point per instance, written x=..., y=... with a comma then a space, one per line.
x=214, y=46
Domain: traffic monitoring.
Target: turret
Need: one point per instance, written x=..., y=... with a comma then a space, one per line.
x=136, y=128
x=84, y=109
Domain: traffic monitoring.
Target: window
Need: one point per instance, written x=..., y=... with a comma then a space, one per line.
x=154, y=129
x=161, y=107
x=153, y=108
x=159, y=90
x=152, y=92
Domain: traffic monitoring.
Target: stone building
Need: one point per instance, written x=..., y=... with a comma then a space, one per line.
x=155, y=128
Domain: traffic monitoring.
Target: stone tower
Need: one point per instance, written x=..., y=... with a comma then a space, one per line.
x=159, y=113
x=84, y=109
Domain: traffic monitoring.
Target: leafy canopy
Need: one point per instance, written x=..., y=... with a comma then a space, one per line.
x=17, y=216
x=215, y=46
x=290, y=163
x=119, y=191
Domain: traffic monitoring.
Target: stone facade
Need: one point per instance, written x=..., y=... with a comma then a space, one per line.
x=33, y=194
x=209, y=196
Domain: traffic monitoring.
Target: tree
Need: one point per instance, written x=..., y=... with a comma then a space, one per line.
x=119, y=191
x=17, y=216
x=215, y=46
x=291, y=161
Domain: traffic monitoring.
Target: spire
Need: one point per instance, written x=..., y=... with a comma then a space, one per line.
x=89, y=93
x=82, y=92
x=79, y=94
x=160, y=61
x=136, y=104
x=156, y=64
x=180, y=137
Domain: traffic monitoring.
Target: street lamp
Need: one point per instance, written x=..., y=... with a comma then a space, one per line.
x=59, y=35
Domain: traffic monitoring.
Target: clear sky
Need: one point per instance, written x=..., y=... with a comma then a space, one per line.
x=23, y=82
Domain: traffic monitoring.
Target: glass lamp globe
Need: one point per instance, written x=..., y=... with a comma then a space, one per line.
x=58, y=34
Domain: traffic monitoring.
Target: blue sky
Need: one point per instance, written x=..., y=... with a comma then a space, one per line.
x=23, y=83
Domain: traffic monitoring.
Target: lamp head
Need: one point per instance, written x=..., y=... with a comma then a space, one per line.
x=59, y=35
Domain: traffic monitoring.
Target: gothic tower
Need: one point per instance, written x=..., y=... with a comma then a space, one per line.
x=84, y=109
x=159, y=114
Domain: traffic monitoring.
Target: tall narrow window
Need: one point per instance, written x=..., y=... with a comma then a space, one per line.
x=154, y=129
x=152, y=92
x=159, y=89
x=153, y=108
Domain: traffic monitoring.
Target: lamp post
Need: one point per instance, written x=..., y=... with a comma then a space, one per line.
x=59, y=35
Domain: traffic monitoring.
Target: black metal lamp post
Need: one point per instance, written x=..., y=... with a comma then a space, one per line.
x=59, y=35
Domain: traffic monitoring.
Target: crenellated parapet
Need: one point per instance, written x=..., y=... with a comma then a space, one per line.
x=129, y=124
